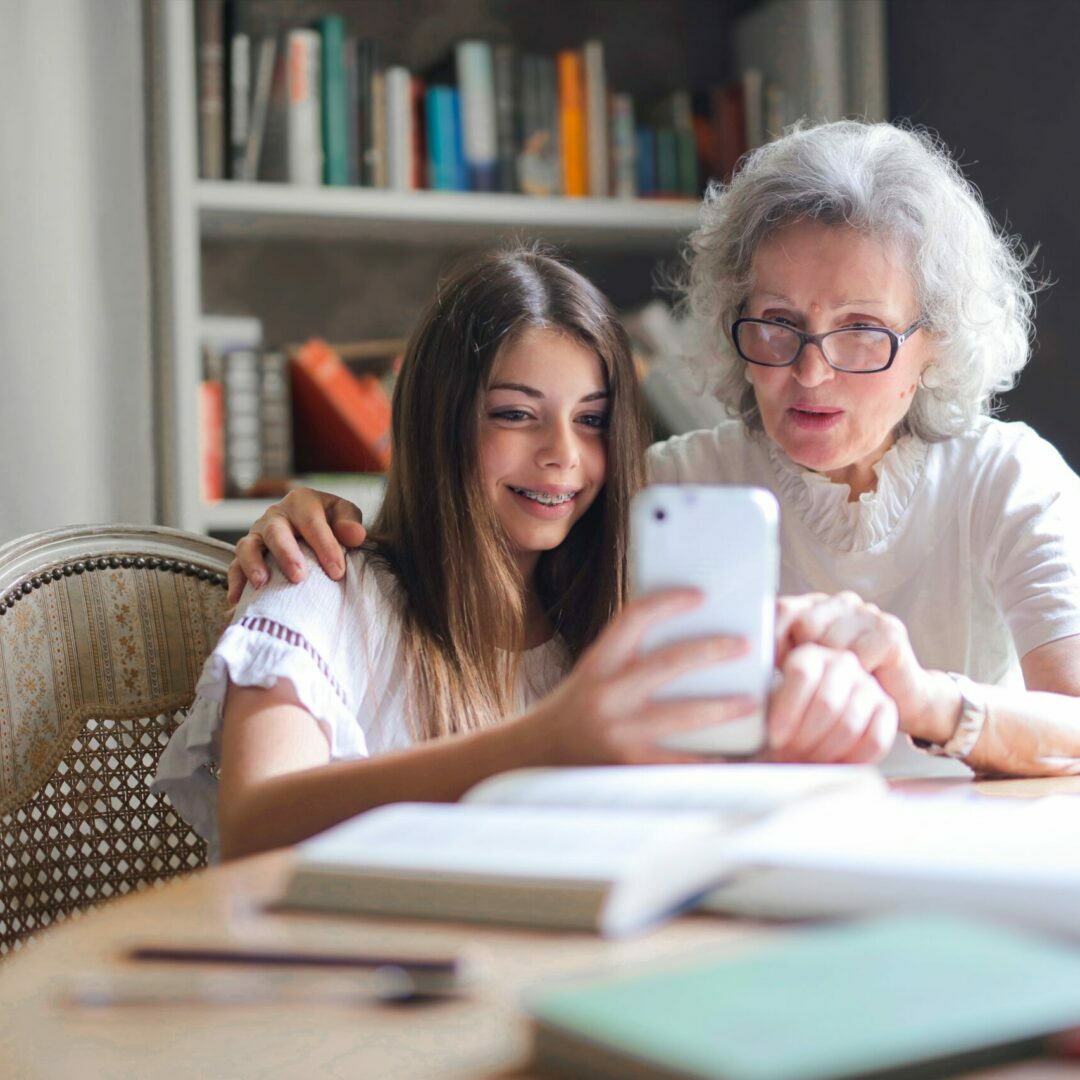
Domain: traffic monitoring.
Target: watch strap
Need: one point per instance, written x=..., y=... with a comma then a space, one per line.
x=969, y=726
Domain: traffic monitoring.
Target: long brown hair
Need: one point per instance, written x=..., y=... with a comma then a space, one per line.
x=462, y=596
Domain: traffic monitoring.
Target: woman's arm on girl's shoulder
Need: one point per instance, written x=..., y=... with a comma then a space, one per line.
x=326, y=522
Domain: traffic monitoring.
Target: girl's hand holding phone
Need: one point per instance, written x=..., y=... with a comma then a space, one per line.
x=605, y=711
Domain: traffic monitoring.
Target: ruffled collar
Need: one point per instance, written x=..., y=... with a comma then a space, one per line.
x=823, y=505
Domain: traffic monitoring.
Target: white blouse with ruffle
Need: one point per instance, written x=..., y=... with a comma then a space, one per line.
x=974, y=542
x=339, y=644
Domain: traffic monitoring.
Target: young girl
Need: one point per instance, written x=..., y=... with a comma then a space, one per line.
x=494, y=566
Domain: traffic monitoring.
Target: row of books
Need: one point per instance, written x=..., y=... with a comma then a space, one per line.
x=266, y=415
x=319, y=107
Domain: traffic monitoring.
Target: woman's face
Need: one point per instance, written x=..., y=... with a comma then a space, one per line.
x=543, y=442
x=818, y=278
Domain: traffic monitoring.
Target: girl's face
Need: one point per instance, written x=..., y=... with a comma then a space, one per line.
x=816, y=278
x=543, y=444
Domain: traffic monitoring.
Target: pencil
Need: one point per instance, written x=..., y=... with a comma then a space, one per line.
x=200, y=954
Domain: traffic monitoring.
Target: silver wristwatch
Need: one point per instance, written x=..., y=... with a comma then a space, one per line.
x=970, y=725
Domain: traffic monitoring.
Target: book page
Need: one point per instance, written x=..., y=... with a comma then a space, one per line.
x=738, y=791
x=1009, y=859
x=976, y=837
x=499, y=842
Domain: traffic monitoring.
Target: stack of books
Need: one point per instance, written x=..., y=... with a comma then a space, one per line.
x=267, y=414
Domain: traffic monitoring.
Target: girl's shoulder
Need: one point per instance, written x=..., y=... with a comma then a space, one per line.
x=320, y=608
x=370, y=577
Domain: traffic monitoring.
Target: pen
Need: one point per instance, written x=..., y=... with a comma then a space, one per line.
x=199, y=954
x=125, y=987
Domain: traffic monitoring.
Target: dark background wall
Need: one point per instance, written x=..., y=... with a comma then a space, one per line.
x=998, y=80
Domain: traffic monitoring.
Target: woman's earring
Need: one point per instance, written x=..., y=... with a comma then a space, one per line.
x=929, y=380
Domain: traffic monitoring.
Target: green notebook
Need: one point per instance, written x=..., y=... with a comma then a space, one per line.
x=893, y=996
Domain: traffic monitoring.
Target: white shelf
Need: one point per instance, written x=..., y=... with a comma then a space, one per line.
x=234, y=210
x=232, y=515
x=237, y=515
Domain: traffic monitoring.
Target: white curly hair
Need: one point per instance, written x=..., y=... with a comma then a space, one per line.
x=898, y=184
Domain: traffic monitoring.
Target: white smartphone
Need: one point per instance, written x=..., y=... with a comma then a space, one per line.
x=721, y=540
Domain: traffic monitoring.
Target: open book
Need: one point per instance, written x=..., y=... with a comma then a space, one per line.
x=1009, y=859
x=613, y=849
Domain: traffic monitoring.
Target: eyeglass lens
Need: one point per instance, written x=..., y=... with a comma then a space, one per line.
x=854, y=350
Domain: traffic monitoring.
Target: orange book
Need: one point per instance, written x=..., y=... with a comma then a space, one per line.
x=729, y=125
x=574, y=137
x=341, y=420
x=212, y=440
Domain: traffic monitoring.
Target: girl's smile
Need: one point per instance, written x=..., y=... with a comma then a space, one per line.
x=548, y=502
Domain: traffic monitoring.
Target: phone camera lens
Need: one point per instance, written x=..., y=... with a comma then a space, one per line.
x=659, y=514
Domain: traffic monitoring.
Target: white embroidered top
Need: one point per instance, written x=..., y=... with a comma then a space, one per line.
x=974, y=542
x=339, y=644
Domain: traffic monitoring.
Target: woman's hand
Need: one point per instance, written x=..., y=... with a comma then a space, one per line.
x=828, y=709
x=604, y=712
x=325, y=522
x=926, y=701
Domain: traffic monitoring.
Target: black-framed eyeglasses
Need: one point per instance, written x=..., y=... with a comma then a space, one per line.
x=860, y=350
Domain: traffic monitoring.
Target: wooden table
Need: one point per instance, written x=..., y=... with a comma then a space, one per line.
x=482, y=1034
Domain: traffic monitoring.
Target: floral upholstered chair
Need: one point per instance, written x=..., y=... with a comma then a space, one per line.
x=103, y=632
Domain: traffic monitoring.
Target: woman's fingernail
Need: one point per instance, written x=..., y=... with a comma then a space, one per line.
x=258, y=579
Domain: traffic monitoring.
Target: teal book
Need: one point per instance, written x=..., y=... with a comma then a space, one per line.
x=667, y=161
x=686, y=148
x=682, y=115
x=443, y=139
x=645, y=162
x=335, y=103
x=899, y=996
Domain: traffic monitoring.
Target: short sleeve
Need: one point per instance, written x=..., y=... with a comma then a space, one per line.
x=660, y=464
x=328, y=638
x=1029, y=513
x=720, y=455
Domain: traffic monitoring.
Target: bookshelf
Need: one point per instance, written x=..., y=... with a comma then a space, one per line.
x=192, y=215
x=320, y=260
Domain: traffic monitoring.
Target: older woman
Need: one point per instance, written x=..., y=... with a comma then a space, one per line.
x=864, y=311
